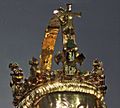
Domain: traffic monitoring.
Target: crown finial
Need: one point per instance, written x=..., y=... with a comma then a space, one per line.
x=44, y=82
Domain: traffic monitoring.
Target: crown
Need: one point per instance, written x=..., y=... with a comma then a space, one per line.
x=27, y=92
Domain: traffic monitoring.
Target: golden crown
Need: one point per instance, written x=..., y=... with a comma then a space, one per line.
x=27, y=92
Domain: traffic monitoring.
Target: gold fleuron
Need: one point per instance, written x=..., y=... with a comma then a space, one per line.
x=67, y=87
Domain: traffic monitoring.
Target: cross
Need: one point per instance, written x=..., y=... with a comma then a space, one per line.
x=69, y=11
x=66, y=15
x=69, y=16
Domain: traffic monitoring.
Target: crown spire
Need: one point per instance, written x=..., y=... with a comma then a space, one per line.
x=29, y=92
x=69, y=56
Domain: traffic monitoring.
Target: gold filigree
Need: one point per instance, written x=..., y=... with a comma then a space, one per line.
x=43, y=81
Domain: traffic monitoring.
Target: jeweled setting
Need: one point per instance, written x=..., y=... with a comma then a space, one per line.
x=67, y=87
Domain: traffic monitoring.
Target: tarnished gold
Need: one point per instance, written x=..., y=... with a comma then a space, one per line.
x=48, y=44
x=55, y=87
x=47, y=49
x=68, y=87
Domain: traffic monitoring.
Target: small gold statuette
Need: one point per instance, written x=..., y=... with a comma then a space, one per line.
x=67, y=87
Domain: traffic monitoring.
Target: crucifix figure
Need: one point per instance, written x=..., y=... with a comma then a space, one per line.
x=69, y=56
x=66, y=17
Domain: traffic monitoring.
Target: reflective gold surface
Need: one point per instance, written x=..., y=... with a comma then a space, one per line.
x=67, y=100
x=48, y=44
x=47, y=49
x=67, y=87
x=39, y=93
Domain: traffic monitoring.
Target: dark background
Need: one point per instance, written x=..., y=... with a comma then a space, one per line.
x=22, y=26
